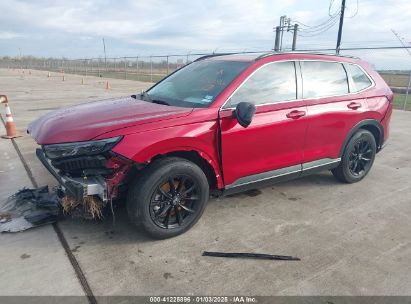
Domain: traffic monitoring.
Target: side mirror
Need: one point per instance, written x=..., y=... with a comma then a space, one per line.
x=244, y=113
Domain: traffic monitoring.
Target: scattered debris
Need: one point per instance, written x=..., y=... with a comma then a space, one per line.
x=251, y=256
x=29, y=208
x=90, y=207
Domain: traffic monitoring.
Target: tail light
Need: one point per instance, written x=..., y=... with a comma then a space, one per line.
x=390, y=96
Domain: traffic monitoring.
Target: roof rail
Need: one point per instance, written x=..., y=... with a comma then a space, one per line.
x=213, y=55
x=303, y=52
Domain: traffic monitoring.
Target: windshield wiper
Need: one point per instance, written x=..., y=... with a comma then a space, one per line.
x=144, y=96
x=160, y=102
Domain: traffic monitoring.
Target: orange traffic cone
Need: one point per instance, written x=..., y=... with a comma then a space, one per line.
x=10, y=126
x=108, y=87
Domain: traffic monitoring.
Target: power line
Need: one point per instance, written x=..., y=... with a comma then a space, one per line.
x=311, y=31
x=329, y=9
x=320, y=31
x=312, y=27
x=355, y=14
x=401, y=40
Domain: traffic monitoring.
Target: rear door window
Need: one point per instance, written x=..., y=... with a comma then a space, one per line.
x=359, y=78
x=323, y=79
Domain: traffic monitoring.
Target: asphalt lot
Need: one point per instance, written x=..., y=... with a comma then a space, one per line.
x=352, y=239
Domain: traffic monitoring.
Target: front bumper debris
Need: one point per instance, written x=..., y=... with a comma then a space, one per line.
x=29, y=208
x=76, y=187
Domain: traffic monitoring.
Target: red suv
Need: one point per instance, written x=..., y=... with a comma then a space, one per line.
x=220, y=125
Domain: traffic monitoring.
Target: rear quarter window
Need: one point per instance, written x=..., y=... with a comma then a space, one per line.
x=360, y=80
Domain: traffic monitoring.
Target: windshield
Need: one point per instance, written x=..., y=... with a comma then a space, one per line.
x=197, y=85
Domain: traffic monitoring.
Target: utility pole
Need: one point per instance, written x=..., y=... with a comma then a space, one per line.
x=295, y=37
x=285, y=24
x=282, y=21
x=337, y=49
x=21, y=60
x=277, y=39
x=105, y=55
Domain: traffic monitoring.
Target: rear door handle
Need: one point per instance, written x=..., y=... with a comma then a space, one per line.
x=354, y=105
x=296, y=114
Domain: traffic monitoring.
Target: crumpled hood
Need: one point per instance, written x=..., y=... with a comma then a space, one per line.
x=86, y=121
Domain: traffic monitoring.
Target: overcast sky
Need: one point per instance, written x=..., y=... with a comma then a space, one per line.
x=75, y=28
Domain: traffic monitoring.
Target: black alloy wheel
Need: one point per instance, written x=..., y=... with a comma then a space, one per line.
x=358, y=157
x=174, y=202
x=168, y=197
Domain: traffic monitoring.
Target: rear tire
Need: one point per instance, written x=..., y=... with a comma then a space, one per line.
x=357, y=159
x=168, y=198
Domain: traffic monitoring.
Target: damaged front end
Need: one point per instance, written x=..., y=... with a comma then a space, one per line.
x=89, y=173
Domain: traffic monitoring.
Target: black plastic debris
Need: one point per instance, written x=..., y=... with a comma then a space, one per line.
x=250, y=256
x=29, y=208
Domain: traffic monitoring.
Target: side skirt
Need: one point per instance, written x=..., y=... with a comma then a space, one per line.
x=320, y=165
x=279, y=175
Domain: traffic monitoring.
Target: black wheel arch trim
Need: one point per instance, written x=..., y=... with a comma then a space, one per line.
x=361, y=125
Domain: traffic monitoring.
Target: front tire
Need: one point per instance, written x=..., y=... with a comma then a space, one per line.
x=358, y=157
x=168, y=198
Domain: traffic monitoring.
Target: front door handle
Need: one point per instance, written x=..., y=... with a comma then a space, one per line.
x=354, y=105
x=296, y=114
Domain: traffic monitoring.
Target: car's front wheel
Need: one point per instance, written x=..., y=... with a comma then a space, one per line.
x=358, y=157
x=168, y=198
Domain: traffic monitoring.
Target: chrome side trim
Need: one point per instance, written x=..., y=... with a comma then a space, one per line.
x=279, y=174
x=222, y=108
x=264, y=176
x=320, y=163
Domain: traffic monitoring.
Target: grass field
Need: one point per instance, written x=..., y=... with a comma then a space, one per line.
x=399, y=101
x=396, y=80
